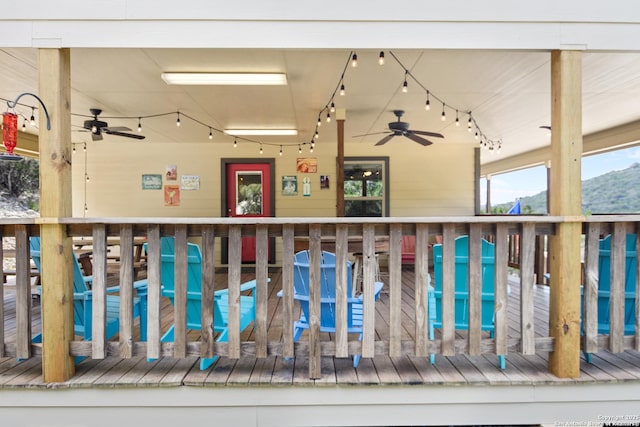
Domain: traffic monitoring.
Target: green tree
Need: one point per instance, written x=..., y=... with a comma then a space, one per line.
x=19, y=178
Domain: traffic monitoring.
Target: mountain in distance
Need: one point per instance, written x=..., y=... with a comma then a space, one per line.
x=613, y=192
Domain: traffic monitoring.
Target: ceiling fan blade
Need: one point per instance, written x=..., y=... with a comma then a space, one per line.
x=110, y=129
x=128, y=135
x=418, y=139
x=367, y=134
x=424, y=132
x=385, y=139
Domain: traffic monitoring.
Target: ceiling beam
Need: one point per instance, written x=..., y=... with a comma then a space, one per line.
x=615, y=138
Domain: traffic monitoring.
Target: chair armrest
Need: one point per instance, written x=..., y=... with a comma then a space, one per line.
x=140, y=285
x=246, y=286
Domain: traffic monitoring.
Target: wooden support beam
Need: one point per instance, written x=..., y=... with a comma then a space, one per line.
x=340, y=211
x=54, y=81
x=565, y=199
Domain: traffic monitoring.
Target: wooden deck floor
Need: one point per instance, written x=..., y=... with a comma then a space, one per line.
x=381, y=370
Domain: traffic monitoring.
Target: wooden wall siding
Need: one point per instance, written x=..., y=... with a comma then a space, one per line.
x=378, y=338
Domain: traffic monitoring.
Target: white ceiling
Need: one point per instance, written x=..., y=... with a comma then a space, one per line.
x=507, y=91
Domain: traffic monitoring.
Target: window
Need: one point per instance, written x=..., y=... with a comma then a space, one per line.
x=366, y=186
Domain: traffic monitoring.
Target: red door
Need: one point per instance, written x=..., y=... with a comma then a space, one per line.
x=249, y=195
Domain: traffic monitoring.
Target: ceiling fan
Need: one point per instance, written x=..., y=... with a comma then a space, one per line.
x=400, y=128
x=98, y=127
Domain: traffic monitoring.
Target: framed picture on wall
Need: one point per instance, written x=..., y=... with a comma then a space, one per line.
x=151, y=181
x=307, y=165
x=289, y=185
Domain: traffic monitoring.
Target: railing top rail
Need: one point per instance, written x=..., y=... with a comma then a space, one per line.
x=483, y=219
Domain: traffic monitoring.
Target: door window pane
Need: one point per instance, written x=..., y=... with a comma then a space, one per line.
x=248, y=193
x=365, y=191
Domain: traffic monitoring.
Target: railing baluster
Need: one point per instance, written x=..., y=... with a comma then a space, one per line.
x=527, y=323
x=421, y=291
x=287, y=289
x=99, y=288
x=616, y=302
x=208, y=290
x=315, y=251
x=235, y=259
x=590, y=290
x=448, y=290
x=262, y=255
x=395, y=290
x=475, y=289
x=153, y=291
x=180, y=297
x=342, y=251
x=23, y=294
x=368, y=280
x=501, y=288
x=126, y=291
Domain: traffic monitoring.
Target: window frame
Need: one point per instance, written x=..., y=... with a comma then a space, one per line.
x=384, y=162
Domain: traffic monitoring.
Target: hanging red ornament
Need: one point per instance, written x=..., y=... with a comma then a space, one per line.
x=9, y=131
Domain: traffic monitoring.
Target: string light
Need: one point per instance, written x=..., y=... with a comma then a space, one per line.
x=32, y=120
x=405, y=85
x=139, y=124
x=178, y=120
x=317, y=135
x=342, y=91
x=328, y=117
x=261, y=151
x=381, y=58
x=444, y=115
x=281, y=150
x=354, y=60
x=210, y=133
x=469, y=123
x=299, y=149
x=457, y=119
x=427, y=105
x=319, y=121
x=24, y=125
x=235, y=143
x=333, y=108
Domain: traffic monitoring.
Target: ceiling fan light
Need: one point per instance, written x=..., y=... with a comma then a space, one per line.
x=229, y=79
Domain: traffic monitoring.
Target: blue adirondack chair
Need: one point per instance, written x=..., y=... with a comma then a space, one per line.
x=604, y=286
x=194, y=296
x=327, y=297
x=462, y=288
x=83, y=301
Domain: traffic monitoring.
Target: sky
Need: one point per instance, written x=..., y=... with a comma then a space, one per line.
x=509, y=186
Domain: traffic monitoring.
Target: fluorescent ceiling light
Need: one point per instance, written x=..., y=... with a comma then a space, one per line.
x=225, y=78
x=267, y=132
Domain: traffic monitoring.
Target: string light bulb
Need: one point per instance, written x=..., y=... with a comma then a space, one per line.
x=405, y=85
x=24, y=125
x=381, y=58
x=32, y=120
x=354, y=60
x=328, y=117
x=469, y=123
x=319, y=120
x=333, y=107
x=281, y=150
x=342, y=90
x=427, y=105
x=317, y=135
x=210, y=134
x=444, y=115
x=261, y=151
x=139, y=124
x=178, y=120
x=299, y=149
x=235, y=142
x=457, y=119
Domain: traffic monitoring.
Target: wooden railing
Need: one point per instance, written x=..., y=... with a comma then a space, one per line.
x=286, y=230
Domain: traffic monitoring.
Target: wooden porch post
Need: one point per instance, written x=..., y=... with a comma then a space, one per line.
x=340, y=116
x=55, y=202
x=565, y=200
